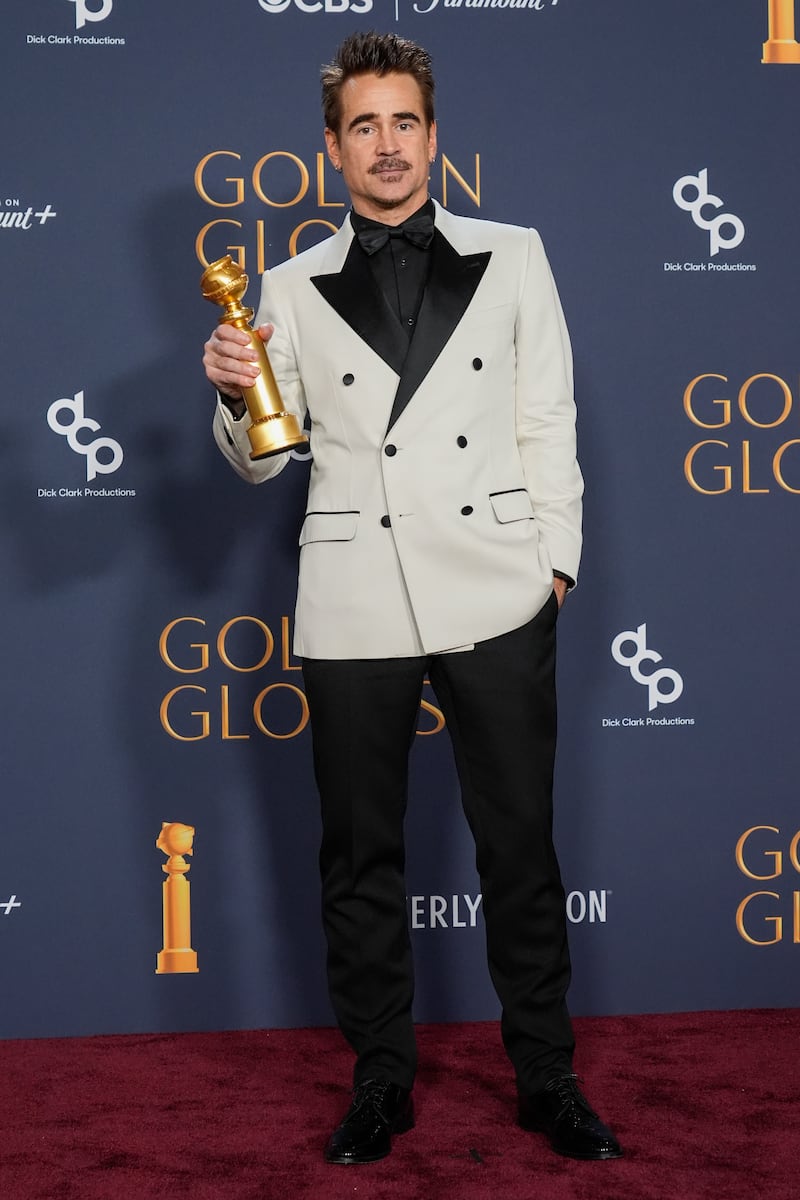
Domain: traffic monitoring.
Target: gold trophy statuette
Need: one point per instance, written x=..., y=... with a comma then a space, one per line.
x=781, y=46
x=273, y=429
x=177, y=957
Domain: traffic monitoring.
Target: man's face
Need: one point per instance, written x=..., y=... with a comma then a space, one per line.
x=383, y=147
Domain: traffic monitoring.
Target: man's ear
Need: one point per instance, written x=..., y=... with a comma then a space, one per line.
x=332, y=144
x=432, y=141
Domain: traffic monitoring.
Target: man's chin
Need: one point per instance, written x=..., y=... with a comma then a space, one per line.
x=392, y=200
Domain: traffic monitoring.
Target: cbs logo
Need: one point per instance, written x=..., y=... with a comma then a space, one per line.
x=316, y=6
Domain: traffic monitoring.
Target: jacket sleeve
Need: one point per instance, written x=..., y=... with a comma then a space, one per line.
x=231, y=435
x=545, y=412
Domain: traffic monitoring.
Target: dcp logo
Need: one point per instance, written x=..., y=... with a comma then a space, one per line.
x=84, y=13
x=315, y=6
x=695, y=205
x=71, y=429
x=653, y=679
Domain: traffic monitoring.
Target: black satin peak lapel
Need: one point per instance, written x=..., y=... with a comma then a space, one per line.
x=354, y=295
x=452, y=283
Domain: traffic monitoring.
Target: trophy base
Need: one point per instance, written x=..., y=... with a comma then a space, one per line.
x=781, y=51
x=275, y=434
x=177, y=962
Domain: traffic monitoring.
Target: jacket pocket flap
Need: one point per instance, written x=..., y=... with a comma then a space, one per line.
x=329, y=527
x=512, y=506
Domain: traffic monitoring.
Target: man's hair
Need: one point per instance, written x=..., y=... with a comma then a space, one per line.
x=376, y=54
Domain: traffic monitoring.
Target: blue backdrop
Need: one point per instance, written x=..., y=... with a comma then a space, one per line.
x=656, y=154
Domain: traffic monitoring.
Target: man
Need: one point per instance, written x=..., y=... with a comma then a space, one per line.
x=441, y=535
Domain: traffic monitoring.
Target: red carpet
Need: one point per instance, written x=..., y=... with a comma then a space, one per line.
x=706, y=1104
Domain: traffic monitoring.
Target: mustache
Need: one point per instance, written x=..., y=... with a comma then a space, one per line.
x=389, y=164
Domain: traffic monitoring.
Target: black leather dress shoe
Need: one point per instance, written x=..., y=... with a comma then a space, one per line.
x=562, y=1112
x=379, y=1109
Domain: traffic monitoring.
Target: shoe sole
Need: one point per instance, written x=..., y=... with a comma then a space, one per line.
x=599, y=1157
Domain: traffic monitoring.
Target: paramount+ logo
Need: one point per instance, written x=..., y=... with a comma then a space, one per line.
x=316, y=6
x=766, y=917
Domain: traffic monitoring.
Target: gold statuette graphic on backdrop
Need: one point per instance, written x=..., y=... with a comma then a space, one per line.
x=177, y=957
x=273, y=429
x=781, y=47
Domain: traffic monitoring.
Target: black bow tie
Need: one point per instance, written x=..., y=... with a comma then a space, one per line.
x=418, y=230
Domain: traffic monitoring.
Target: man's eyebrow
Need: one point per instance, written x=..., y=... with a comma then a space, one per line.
x=364, y=118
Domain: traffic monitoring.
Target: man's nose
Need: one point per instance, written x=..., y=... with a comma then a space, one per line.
x=387, y=143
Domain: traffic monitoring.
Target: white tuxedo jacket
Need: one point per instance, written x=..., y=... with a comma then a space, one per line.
x=444, y=486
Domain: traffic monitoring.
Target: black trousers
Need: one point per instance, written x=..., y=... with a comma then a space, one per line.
x=499, y=704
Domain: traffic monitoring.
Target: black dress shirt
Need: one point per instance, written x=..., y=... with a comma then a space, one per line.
x=399, y=268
